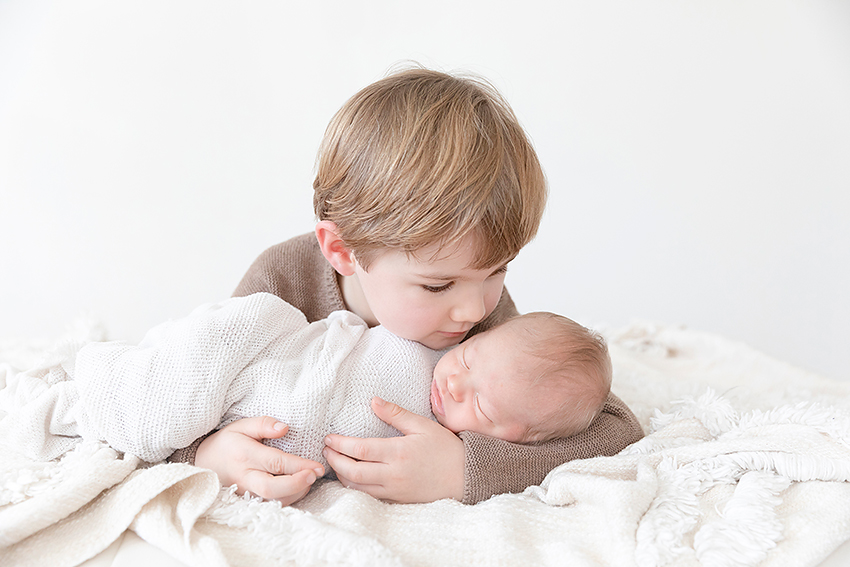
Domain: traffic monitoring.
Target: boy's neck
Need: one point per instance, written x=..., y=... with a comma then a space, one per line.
x=355, y=301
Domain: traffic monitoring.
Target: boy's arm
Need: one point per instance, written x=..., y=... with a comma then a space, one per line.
x=494, y=466
x=426, y=463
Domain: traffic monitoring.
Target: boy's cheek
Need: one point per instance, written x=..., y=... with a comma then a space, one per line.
x=493, y=297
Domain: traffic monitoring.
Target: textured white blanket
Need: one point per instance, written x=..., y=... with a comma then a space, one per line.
x=747, y=462
x=242, y=357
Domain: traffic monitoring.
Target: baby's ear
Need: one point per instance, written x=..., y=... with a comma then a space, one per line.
x=334, y=249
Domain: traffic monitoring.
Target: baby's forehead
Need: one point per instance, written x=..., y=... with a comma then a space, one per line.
x=526, y=338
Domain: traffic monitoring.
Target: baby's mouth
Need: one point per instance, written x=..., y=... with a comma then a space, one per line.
x=436, y=399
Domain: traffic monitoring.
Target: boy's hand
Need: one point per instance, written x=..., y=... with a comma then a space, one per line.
x=237, y=454
x=423, y=466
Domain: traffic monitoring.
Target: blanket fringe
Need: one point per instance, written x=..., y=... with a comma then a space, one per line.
x=297, y=537
x=748, y=526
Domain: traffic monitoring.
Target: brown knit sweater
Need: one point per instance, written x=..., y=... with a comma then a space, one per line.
x=297, y=272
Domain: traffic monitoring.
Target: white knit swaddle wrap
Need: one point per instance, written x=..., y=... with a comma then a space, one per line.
x=244, y=357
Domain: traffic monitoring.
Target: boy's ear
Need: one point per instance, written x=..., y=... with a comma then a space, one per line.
x=334, y=249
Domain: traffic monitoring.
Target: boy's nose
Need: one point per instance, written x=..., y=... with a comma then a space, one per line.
x=470, y=307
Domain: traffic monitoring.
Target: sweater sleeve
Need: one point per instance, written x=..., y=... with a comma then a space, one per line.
x=151, y=399
x=494, y=466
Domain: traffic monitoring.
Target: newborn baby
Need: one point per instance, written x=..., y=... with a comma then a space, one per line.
x=535, y=377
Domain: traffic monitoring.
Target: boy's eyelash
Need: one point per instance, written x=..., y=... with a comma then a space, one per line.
x=448, y=286
x=438, y=288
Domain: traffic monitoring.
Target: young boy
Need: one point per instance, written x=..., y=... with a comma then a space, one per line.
x=537, y=377
x=426, y=188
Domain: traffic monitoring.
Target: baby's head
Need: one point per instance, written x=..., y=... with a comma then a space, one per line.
x=537, y=377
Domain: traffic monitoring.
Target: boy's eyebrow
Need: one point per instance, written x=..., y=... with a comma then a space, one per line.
x=443, y=277
x=448, y=277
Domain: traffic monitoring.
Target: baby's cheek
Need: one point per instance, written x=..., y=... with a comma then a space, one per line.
x=453, y=422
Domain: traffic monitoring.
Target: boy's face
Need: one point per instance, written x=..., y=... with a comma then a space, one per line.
x=481, y=385
x=433, y=300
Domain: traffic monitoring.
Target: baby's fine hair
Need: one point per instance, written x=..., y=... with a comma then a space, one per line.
x=422, y=157
x=574, y=366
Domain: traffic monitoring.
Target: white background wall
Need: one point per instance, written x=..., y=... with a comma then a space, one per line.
x=698, y=153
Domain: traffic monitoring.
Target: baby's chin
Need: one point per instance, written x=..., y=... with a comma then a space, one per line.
x=442, y=421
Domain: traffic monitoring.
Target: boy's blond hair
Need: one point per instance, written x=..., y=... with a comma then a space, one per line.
x=573, y=367
x=422, y=157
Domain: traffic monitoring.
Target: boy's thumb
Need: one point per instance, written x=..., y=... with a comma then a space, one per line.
x=259, y=428
x=395, y=415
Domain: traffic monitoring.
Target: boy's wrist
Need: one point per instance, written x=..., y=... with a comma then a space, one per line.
x=186, y=454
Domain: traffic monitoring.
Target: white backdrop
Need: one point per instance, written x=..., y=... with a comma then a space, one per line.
x=698, y=153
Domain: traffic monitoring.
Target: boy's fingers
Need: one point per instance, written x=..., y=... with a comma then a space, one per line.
x=259, y=428
x=424, y=465
x=381, y=450
x=376, y=450
x=406, y=422
x=355, y=474
x=269, y=459
x=277, y=462
x=286, y=489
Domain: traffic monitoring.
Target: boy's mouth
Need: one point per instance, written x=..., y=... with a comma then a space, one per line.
x=454, y=333
x=436, y=399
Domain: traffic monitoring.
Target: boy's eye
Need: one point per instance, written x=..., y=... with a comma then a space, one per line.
x=438, y=288
x=501, y=270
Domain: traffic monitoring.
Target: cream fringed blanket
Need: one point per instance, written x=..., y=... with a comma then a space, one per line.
x=747, y=462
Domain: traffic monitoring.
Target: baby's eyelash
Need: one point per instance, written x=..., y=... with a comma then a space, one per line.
x=478, y=406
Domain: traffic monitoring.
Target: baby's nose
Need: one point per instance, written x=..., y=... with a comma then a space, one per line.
x=455, y=387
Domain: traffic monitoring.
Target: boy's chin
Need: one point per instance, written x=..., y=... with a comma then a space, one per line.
x=441, y=342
